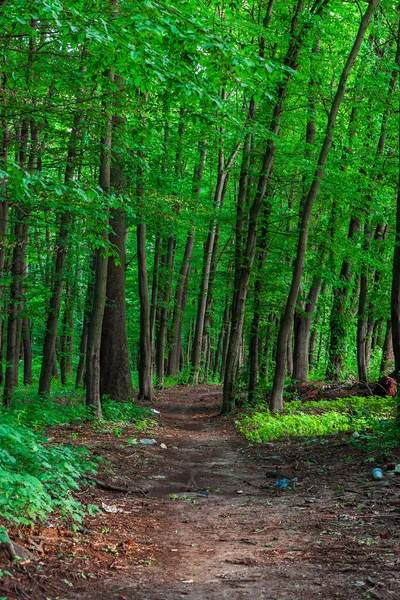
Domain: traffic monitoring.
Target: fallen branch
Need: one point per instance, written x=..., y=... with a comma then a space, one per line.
x=115, y=488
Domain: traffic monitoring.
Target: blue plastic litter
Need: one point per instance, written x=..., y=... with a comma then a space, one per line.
x=281, y=483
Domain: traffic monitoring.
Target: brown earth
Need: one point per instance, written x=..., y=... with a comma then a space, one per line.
x=211, y=526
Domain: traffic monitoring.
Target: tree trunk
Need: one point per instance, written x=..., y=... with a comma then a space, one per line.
x=164, y=311
x=184, y=273
x=93, y=398
x=338, y=318
x=66, y=342
x=145, y=345
x=242, y=277
x=224, y=168
x=27, y=342
x=302, y=329
x=279, y=378
x=81, y=370
x=255, y=343
x=49, y=346
x=387, y=362
x=179, y=308
x=115, y=370
x=155, y=286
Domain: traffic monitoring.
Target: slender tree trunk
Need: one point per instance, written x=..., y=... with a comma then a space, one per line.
x=155, y=286
x=245, y=265
x=302, y=333
x=220, y=190
x=145, y=345
x=184, y=273
x=387, y=362
x=93, y=398
x=279, y=378
x=164, y=312
x=179, y=308
x=338, y=318
x=362, y=328
x=27, y=342
x=255, y=343
x=66, y=341
x=81, y=371
x=53, y=314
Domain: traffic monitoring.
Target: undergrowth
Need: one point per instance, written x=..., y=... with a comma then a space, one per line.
x=69, y=407
x=373, y=415
x=38, y=478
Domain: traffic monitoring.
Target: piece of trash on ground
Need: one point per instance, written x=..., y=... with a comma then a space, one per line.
x=163, y=446
x=157, y=412
x=147, y=441
x=110, y=508
x=283, y=483
x=377, y=474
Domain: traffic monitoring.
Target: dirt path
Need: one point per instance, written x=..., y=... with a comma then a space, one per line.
x=211, y=527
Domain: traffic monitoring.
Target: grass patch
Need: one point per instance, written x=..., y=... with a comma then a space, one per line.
x=310, y=419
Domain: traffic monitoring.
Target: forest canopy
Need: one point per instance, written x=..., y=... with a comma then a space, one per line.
x=198, y=191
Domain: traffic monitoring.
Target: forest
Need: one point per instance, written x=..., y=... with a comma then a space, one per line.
x=199, y=211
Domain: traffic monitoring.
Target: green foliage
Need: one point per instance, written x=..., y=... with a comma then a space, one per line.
x=317, y=418
x=68, y=407
x=37, y=478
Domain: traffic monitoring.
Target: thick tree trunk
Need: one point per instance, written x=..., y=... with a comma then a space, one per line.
x=115, y=370
x=279, y=378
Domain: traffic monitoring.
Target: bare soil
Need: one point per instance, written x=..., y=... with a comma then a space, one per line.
x=211, y=524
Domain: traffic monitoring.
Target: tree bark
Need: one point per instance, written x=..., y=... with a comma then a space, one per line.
x=184, y=273
x=242, y=277
x=49, y=346
x=279, y=378
x=387, y=362
x=93, y=398
x=302, y=329
x=145, y=345
x=164, y=312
